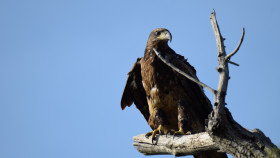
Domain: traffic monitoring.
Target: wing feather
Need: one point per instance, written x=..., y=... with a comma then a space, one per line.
x=134, y=91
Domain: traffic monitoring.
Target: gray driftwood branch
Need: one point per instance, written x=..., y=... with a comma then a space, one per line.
x=223, y=132
x=179, y=146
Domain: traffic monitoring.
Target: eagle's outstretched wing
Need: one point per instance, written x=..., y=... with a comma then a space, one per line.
x=134, y=91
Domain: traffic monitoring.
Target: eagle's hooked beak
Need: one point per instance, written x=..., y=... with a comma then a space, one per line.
x=165, y=35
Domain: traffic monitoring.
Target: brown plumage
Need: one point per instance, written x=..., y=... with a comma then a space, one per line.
x=166, y=99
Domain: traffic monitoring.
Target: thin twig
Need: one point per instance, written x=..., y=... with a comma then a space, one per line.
x=183, y=73
x=233, y=63
x=238, y=46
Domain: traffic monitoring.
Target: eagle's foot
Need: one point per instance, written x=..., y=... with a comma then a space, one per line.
x=153, y=133
x=177, y=133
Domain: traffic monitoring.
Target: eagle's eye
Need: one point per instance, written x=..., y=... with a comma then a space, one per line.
x=157, y=33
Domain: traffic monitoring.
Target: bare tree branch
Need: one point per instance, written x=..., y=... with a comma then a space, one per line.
x=238, y=46
x=219, y=100
x=183, y=73
x=179, y=146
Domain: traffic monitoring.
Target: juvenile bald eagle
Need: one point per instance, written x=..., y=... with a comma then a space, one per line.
x=169, y=102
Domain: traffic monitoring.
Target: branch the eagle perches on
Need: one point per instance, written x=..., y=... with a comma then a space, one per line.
x=223, y=132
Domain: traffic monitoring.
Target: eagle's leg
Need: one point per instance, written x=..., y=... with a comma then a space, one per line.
x=184, y=120
x=159, y=120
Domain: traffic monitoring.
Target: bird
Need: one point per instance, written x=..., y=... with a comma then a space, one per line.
x=169, y=102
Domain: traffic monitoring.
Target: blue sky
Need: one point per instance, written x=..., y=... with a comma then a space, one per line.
x=63, y=67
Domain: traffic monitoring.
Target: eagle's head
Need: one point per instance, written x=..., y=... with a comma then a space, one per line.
x=159, y=36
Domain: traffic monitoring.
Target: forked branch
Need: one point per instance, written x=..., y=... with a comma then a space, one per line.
x=231, y=137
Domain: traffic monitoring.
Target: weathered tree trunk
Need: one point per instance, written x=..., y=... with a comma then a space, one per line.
x=223, y=133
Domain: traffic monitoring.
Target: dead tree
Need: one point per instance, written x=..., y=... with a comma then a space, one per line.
x=223, y=133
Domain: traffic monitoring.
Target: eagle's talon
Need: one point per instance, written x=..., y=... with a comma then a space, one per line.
x=154, y=132
x=177, y=133
x=154, y=139
x=168, y=131
x=147, y=135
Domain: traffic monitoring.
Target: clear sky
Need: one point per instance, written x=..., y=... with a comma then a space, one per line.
x=63, y=67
